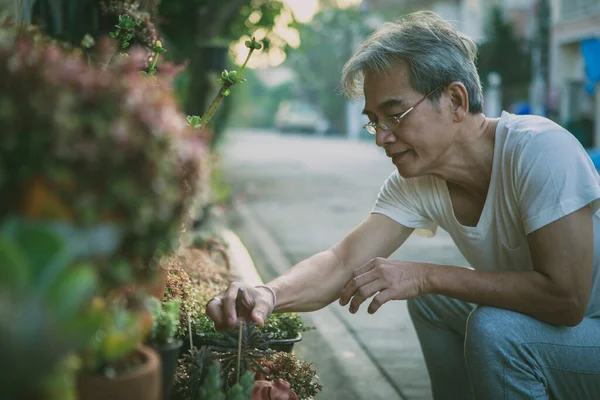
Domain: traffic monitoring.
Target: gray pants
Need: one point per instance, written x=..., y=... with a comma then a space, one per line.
x=487, y=353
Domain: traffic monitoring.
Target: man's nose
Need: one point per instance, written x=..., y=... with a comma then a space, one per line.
x=384, y=136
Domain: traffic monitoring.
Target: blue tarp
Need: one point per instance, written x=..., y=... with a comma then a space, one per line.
x=590, y=49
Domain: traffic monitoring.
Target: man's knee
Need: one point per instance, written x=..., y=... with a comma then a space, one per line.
x=492, y=331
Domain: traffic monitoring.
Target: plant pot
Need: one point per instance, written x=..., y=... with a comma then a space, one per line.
x=286, y=345
x=141, y=383
x=169, y=354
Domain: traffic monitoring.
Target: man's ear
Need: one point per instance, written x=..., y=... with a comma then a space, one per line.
x=459, y=100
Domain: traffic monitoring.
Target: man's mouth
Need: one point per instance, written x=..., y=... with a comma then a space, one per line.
x=395, y=156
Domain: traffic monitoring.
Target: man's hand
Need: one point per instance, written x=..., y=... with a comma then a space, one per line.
x=390, y=280
x=253, y=304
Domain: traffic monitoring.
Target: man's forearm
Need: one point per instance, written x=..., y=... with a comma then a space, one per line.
x=527, y=292
x=311, y=284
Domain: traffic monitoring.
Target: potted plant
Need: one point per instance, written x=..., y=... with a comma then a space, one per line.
x=286, y=329
x=116, y=365
x=165, y=323
x=62, y=120
x=60, y=152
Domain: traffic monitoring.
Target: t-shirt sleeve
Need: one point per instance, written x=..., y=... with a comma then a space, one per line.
x=555, y=177
x=401, y=200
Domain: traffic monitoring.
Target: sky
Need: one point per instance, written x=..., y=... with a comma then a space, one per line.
x=303, y=11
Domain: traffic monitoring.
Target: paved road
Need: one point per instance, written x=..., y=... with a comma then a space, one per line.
x=298, y=196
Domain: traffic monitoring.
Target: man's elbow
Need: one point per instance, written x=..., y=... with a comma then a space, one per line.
x=574, y=312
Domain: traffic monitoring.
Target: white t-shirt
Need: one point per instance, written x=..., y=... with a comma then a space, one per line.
x=540, y=173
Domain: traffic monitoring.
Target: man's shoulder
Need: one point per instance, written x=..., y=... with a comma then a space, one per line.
x=533, y=133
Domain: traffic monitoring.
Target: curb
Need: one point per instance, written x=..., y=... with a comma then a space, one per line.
x=240, y=260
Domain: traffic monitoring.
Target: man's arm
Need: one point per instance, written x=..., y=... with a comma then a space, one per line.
x=317, y=281
x=556, y=291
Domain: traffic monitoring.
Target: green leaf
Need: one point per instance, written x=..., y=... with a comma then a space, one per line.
x=124, y=44
x=46, y=251
x=226, y=92
x=113, y=34
x=15, y=273
x=194, y=121
x=87, y=41
x=74, y=288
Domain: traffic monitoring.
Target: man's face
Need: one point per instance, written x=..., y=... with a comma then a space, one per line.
x=419, y=141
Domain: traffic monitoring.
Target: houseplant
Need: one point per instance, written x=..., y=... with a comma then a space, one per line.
x=115, y=365
x=62, y=119
x=165, y=322
x=286, y=329
x=47, y=312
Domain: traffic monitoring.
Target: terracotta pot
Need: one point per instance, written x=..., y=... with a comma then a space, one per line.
x=272, y=390
x=142, y=383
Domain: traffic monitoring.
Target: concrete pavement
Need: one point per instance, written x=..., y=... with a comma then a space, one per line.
x=296, y=196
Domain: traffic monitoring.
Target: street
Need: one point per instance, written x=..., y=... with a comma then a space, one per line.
x=298, y=195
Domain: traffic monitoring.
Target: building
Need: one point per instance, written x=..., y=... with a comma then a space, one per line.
x=575, y=97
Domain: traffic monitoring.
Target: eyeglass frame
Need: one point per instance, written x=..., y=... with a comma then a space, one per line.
x=396, y=118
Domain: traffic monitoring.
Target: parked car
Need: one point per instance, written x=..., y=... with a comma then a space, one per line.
x=301, y=117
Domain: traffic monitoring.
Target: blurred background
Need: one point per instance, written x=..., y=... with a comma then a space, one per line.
x=536, y=57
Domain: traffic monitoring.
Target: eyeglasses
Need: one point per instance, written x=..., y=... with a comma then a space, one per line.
x=372, y=126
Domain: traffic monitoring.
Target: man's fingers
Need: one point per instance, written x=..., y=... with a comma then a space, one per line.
x=214, y=310
x=363, y=293
x=379, y=300
x=355, y=284
x=260, y=312
x=230, y=302
x=363, y=269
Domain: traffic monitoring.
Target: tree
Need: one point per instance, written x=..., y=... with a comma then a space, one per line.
x=327, y=42
x=505, y=54
x=201, y=31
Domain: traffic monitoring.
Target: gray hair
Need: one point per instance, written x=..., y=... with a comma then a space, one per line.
x=436, y=52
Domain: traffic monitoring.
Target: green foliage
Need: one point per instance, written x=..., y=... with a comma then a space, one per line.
x=213, y=386
x=180, y=286
x=120, y=332
x=327, y=42
x=223, y=347
x=124, y=30
x=46, y=312
x=254, y=346
x=284, y=325
x=194, y=121
x=504, y=52
x=52, y=148
x=165, y=320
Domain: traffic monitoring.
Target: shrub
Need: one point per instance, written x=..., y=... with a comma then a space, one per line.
x=90, y=147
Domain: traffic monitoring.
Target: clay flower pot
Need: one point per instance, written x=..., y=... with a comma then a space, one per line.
x=272, y=390
x=141, y=383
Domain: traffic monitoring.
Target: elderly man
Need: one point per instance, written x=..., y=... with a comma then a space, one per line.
x=517, y=194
